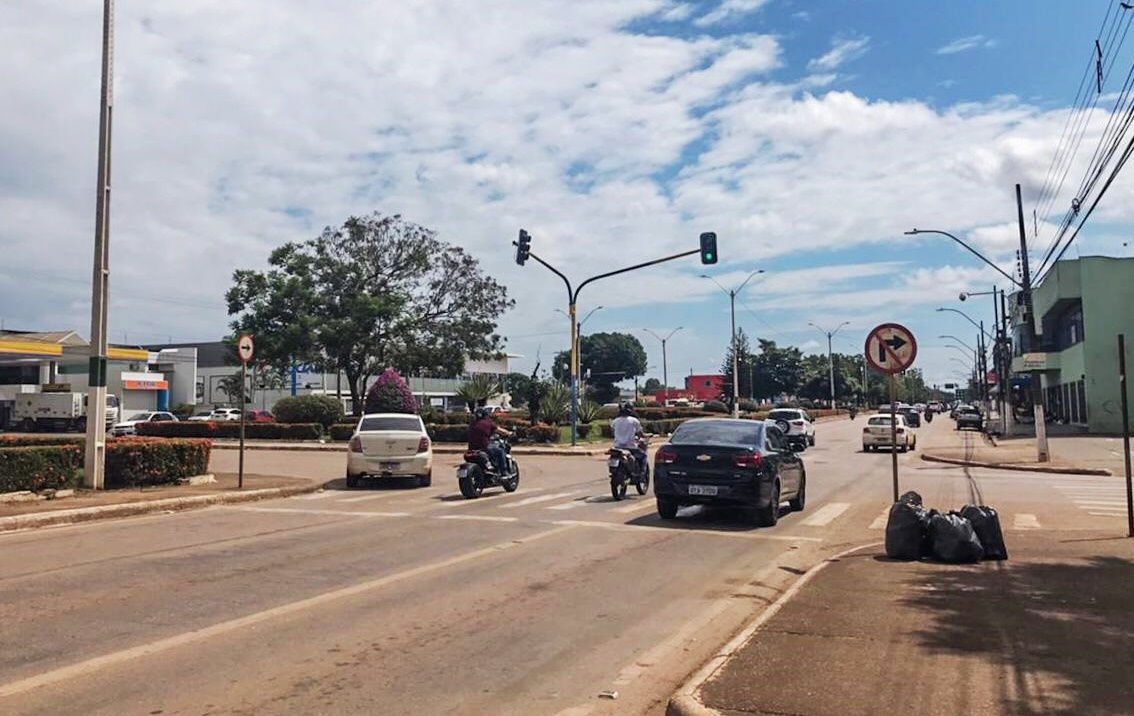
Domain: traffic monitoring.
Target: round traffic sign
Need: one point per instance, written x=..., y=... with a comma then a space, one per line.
x=890, y=348
x=245, y=347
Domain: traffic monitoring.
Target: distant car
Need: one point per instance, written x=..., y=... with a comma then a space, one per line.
x=729, y=462
x=877, y=433
x=201, y=416
x=223, y=414
x=389, y=445
x=128, y=426
x=795, y=424
x=969, y=417
x=258, y=416
x=913, y=418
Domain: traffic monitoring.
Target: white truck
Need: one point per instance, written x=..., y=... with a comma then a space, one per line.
x=58, y=411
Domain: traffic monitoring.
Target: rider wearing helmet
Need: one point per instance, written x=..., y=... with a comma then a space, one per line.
x=626, y=429
x=481, y=432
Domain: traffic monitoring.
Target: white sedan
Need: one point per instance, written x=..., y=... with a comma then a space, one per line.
x=128, y=426
x=390, y=445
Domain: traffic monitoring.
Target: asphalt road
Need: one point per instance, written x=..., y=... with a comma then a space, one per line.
x=404, y=600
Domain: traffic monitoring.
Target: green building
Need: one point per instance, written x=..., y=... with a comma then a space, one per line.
x=1081, y=307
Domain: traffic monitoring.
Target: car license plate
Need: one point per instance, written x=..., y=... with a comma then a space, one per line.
x=389, y=465
x=709, y=490
x=612, y=462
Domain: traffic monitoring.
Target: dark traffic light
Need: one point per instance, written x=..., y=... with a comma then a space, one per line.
x=708, y=248
x=523, y=247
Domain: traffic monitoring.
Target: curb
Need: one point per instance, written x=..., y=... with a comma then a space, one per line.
x=686, y=702
x=1019, y=467
x=129, y=509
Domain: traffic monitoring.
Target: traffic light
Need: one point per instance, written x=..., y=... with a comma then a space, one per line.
x=523, y=247
x=708, y=248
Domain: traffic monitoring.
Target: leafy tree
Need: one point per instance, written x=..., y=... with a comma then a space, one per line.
x=517, y=385
x=322, y=409
x=815, y=382
x=777, y=371
x=390, y=394
x=744, y=371
x=652, y=386
x=478, y=389
x=610, y=358
x=378, y=291
x=233, y=385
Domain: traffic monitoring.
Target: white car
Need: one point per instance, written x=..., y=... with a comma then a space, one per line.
x=127, y=426
x=390, y=445
x=225, y=414
x=795, y=424
x=877, y=433
x=201, y=416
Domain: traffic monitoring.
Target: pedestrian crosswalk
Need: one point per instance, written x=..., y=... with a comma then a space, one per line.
x=1102, y=499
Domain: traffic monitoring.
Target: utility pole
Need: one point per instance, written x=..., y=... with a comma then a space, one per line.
x=831, y=357
x=1042, y=454
x=735, y=362
x=664, y=363
x=94, y=462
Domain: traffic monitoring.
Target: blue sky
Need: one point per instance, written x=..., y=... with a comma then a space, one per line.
x=809, y=136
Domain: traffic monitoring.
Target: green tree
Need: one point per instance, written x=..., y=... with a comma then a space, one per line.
x=379, y=291
x=744, y=370
x=652, y=386
x=517, y=385
x=777, y=371
x=609, y=358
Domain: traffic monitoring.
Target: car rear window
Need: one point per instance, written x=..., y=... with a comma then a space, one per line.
x=784, y=415
x=408, y=423
x=718, y=432
x=880, y=420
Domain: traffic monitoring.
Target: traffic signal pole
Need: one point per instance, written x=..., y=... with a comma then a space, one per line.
x=523, y=253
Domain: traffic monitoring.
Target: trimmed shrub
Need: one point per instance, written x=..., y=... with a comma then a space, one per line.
x=138, y=462
x=448, y=433
x=231, y=430
x=390, y=394
x=7, y=441
x=182, y=429
x=39, y=467
x=342, y=431
x=183, y=410
x=715, y=406
x=540, y=433
x=582, y=430
x=323, y=409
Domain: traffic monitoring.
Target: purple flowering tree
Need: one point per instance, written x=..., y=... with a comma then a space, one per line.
x=390, y=394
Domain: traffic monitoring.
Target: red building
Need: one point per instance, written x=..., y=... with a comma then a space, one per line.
x=698, y=389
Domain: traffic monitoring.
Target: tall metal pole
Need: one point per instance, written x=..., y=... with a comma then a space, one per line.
x=735, y=369
x=1042, y=454
x=95, y=455
x=664, y=375
x=894, y=432
x=1126, y=434
x=243, y=384
x=574, y=376
x=831, y=369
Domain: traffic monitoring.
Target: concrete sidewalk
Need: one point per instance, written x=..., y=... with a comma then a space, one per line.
x=1075, y=454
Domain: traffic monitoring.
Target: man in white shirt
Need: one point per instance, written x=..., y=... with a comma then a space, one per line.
x=626, y=430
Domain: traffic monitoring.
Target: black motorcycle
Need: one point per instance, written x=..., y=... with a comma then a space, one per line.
x=624, y=468
x=477, y=472
x=852, y=412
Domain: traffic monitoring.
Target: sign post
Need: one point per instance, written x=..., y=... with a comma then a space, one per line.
x=245, y=347
x=891, y=349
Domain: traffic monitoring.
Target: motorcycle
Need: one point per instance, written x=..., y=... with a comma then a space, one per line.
x=624, y=468
x=852, y=413
x=477, y=472
x=929, y=416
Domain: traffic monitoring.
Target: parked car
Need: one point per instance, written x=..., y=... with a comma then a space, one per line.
x=730, y=462
x=969, y=417
x=389, y=445
x=201, y=416
x=127, y=426
x=877, y=433
x=795, y=424
x=258, y=416
x=223, y=414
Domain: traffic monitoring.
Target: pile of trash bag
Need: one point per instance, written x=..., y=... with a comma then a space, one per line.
x=957, y=537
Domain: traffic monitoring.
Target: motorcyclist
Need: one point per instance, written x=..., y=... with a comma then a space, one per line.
x=627, y=429
x=852, y=411
x=481, y=433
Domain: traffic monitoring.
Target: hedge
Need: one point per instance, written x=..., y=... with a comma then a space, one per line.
x=231, y=429
x=39, y=467
x=7, y=441
x=342, y=431
x=136, y=462
x=460, y=433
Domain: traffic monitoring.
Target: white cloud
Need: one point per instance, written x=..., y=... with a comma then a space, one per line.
x=728, y=9
x=842, y=51
x=964, y=44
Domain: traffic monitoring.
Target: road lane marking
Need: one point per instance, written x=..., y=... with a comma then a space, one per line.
x=1025, y=521
x=1101, y=503
x=337, y=513
x=493, y=498
x=483, y=518
x=317, y=495
x=620, y=527
x=826, y=514
x=880, y=521
x=83, y=669
x=378, y=496
x=538, y=499
x=1108, y=514
x=636, y=506
x=567, y=505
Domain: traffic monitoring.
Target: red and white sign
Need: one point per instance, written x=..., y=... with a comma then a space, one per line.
x=245, y=347
x=890, y=348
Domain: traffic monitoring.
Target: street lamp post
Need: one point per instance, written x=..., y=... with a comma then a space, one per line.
x=830, y=356
x=735, y=363
x=665, y=364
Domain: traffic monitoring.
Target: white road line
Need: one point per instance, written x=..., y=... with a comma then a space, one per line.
x=317, y=495
x=1102, y=503
x=377, y=496
x=636, y=506
x=540, y=498
x=620, y=527
x=83, y=669
x=482, y=518
x=494, y=498
x=567, y=505
x=1025, y=521
x=880, y=521
x=337, y=513
x=826, y=514
x=1108, y=514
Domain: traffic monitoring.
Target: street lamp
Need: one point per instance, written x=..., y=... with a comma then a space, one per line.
x=830, y=355
x=732, y=307
x=665, y=369
x=966, y=345
x=981, y=351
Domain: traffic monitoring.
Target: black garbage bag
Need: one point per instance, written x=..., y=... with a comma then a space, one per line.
x=986, y=524
x=905, y=529
x=911, y=497
x=954, y=539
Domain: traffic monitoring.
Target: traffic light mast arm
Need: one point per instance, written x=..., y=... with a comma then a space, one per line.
x=624, y=270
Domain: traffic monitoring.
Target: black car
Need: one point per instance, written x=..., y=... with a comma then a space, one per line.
x=913, y=418
x=969, y=418
x=724, y=461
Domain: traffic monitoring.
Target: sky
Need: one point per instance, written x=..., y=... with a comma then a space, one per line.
x=808, y=135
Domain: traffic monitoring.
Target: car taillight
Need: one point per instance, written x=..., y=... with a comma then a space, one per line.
x=423, y=444
x=665, y=457
x=866, y=430
x=356, y=444
x=747, y=460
